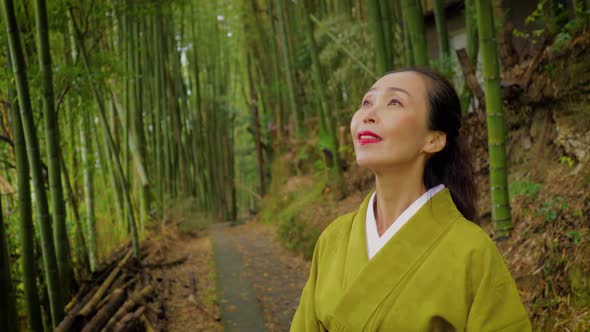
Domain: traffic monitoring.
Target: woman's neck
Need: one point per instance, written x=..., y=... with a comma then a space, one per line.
x=396, y=190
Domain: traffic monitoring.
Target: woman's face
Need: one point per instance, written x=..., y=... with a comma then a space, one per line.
x=390, y=127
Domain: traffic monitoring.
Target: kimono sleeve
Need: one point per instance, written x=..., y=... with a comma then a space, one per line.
x=496, y=302
x=305, y=318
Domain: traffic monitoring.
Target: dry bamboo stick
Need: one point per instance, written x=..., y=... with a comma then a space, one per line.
x=105, y=312
x=89, y=307
x=131, y=302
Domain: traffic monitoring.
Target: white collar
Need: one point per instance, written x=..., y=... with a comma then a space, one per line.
x=376, y=242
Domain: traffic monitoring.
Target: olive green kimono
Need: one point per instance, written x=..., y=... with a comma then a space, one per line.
x=439, y=272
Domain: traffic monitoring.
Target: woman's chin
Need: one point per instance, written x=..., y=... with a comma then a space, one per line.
x=369, y=163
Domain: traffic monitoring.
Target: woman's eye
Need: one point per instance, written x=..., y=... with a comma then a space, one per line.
x=395, y=102
x=365, y=103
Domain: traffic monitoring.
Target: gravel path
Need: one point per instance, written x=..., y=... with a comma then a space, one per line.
x=276, y=274
x=240, y=310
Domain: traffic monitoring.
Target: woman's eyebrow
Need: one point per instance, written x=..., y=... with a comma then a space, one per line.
x=391, y=88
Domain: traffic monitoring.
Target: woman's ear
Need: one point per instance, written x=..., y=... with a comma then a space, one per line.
x=435, y=142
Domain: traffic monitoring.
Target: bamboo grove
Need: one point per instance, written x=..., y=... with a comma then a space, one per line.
x=113, y=109
x=110, y=111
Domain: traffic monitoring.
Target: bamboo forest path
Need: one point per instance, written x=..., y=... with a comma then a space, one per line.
x=259, y=281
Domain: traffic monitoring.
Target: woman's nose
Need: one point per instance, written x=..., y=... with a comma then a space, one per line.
x=369, y=117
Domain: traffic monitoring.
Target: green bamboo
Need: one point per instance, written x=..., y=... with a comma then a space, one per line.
x=8, y=314
x=376, y=26
x=60, y=233
x=88, y=171
x=145, y=54
x=413, y=13
x=288, y=68
x=159, y=87
x=472, y=48
x=27, y=231
x=82, y=248
x=107, y=161
x=325, y=113
x=107, y=132
x=138, y=138
x=440, y=19
x=408, y=53
x=344, y=49
x=42, y=208
x=501, y=217
x=386, y=22
x=280, y=114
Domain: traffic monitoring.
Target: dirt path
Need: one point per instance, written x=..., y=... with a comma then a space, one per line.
x=242, y=274
x=183, y=309
x=277, y=275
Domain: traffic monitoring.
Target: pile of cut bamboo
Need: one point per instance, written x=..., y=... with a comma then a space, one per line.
x=119, y=298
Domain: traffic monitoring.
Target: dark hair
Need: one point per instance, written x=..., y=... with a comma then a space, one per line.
x=452, y=165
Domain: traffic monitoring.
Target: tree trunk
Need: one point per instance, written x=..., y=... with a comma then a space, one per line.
x=495, y=121
x=42, y=208
x=60, y=233
x=8, y=314
x=27, y=231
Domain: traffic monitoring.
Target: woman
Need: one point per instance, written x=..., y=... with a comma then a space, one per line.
x=409, y=259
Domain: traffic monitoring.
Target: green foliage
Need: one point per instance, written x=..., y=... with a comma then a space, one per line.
x=565, y=160
x=553, y=16
x=552, y=208
x=347, y=81
x=579, y=214
x=547, y=13
x=445, y=65
x=576, y=237
x=290, y=210
x=318, y=165
x=560, y=40
x=524, y=188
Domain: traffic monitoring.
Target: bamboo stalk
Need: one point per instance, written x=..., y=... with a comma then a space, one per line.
x=501, y=217
x=375, y=23
x=413, y=12
x=8, y=299
x=32, y=147
x=60, y=234
x=27, y=231
x=107, y=133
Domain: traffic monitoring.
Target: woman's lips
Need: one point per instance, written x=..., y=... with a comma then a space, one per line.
x=368, y=137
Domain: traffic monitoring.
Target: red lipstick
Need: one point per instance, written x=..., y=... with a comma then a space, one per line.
x=368, y=137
